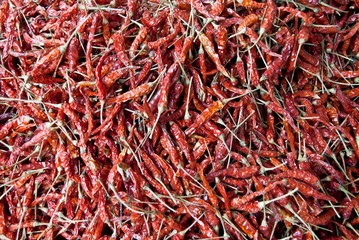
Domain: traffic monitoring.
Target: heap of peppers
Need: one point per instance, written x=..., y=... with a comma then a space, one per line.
x=179, y=119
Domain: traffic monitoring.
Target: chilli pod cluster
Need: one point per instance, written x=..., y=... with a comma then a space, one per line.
x=183, y=119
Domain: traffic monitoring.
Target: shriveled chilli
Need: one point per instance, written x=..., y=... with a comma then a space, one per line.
x=179, y=120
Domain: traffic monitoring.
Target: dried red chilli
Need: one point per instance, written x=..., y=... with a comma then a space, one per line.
x=235, y=172
x=300, y=175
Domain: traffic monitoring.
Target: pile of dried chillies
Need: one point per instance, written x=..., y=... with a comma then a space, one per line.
x=233, y=119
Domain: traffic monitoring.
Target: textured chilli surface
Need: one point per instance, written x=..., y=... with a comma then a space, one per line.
x=184, y=119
